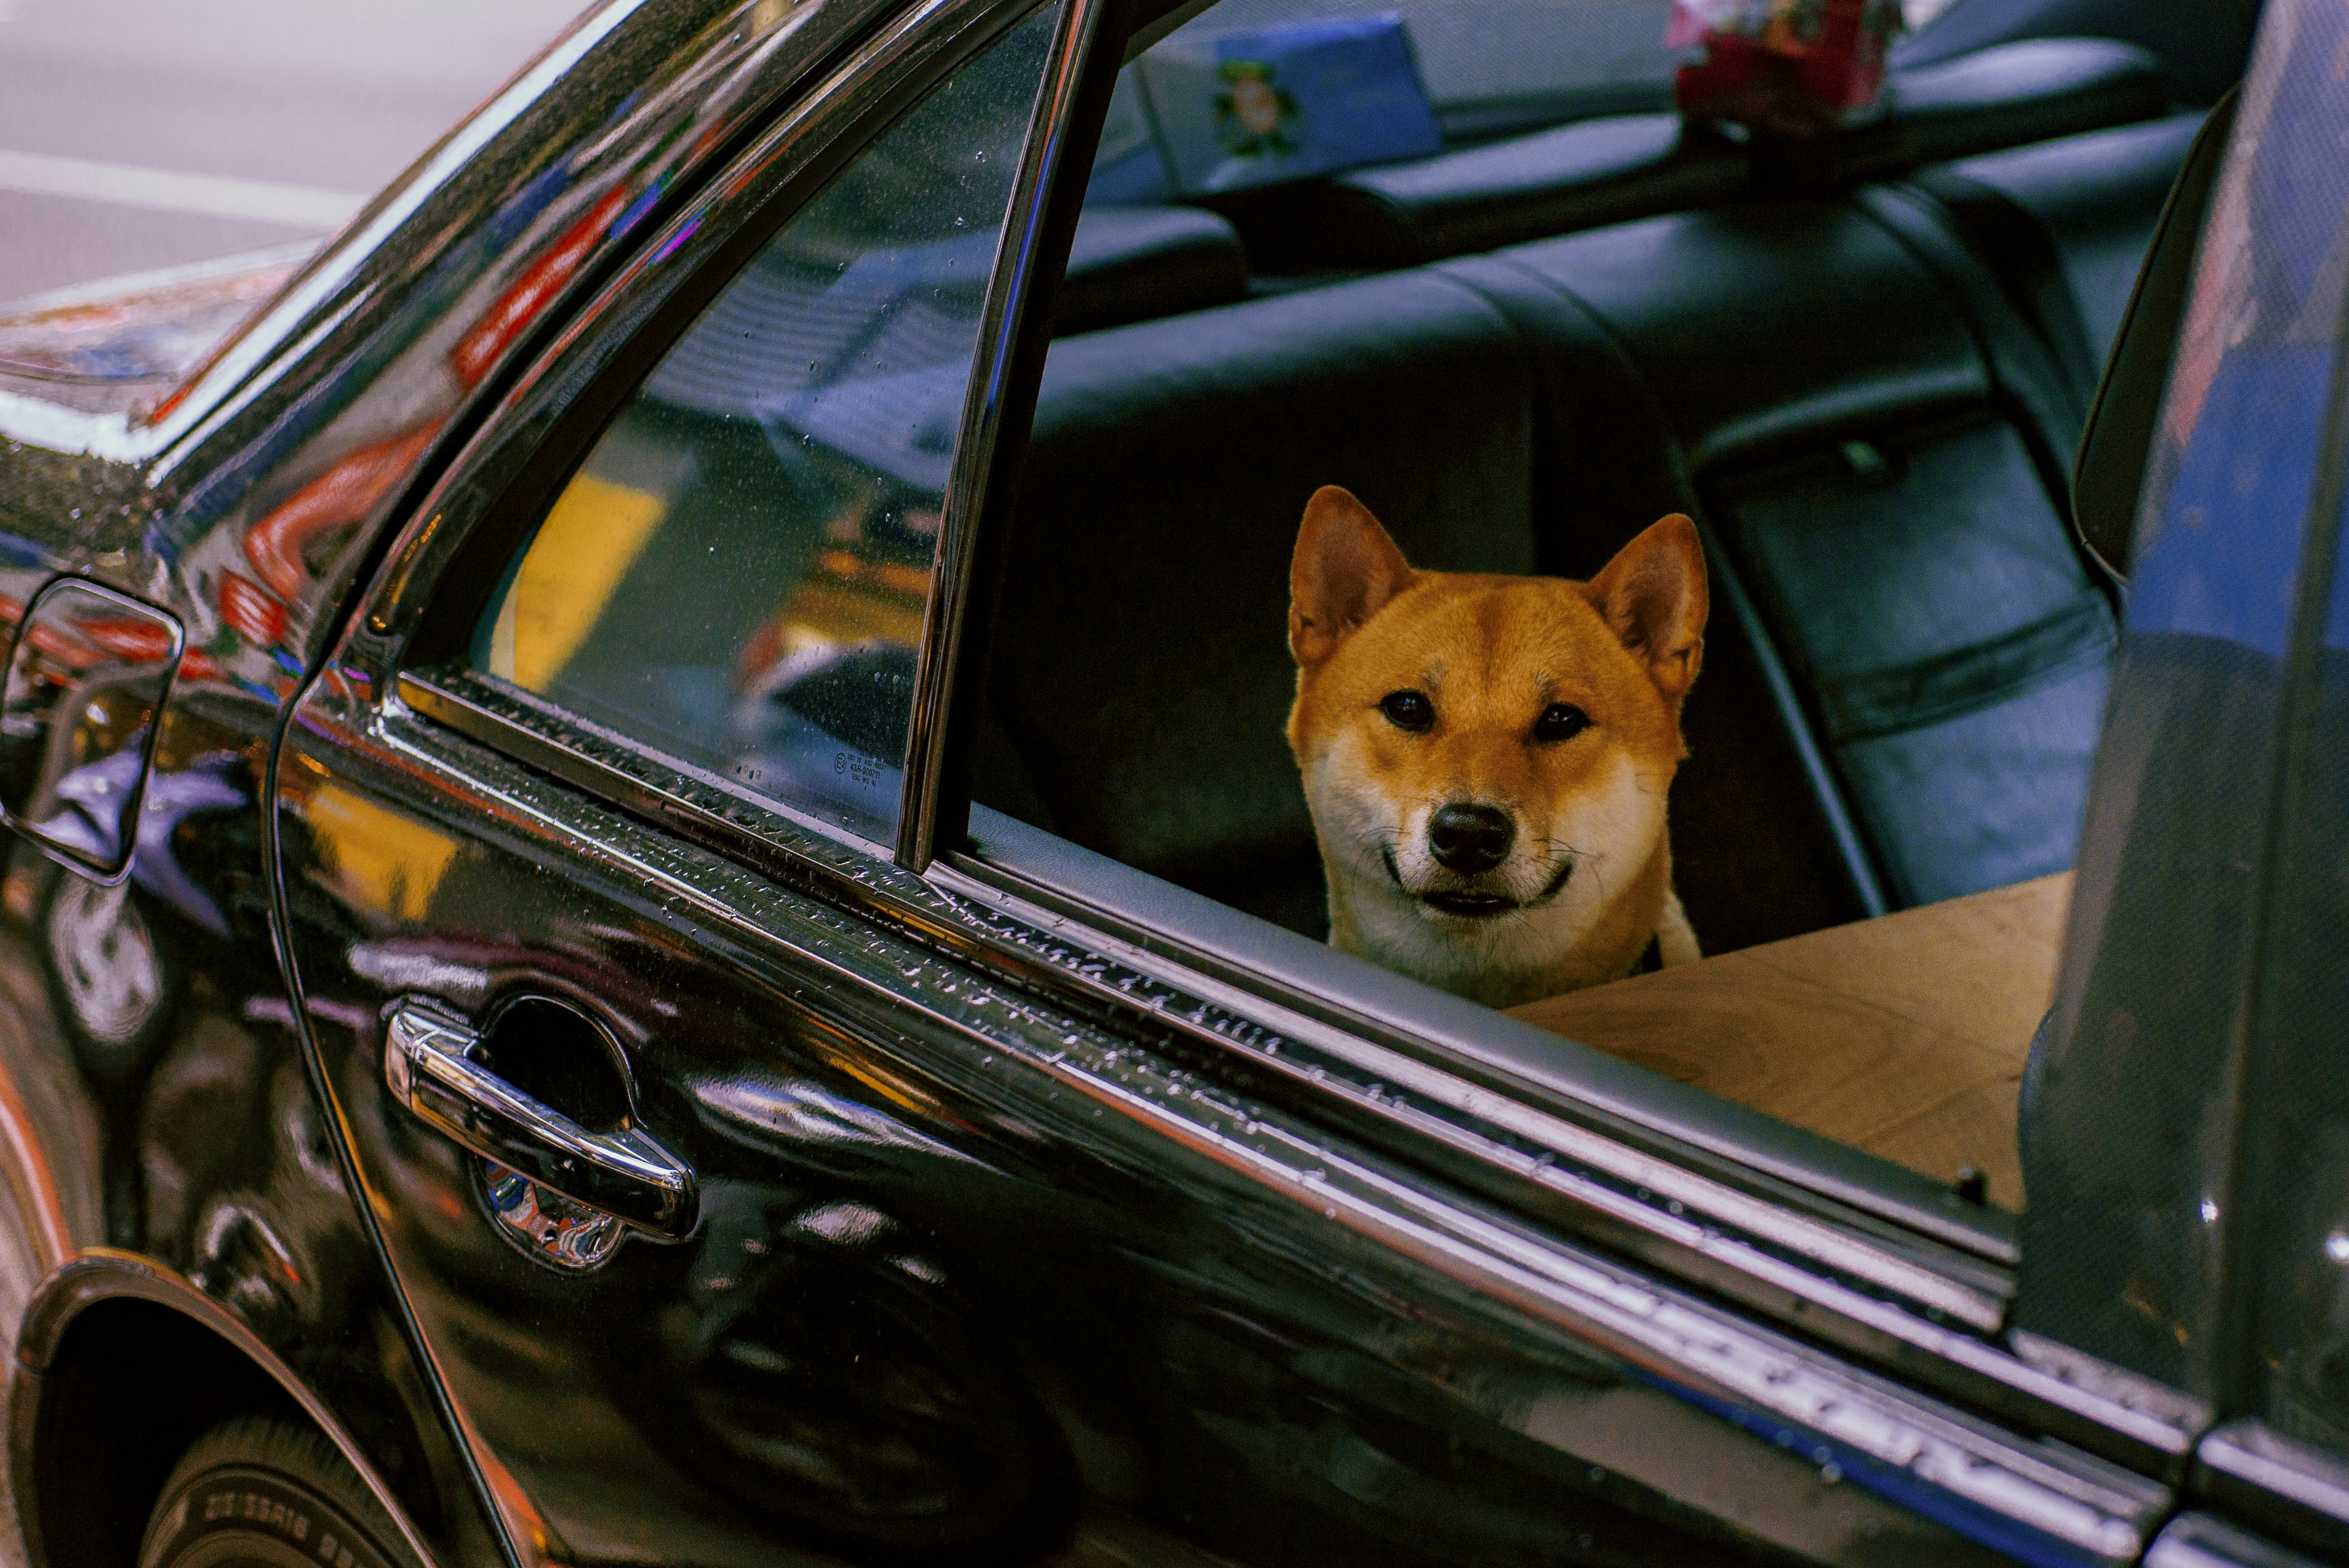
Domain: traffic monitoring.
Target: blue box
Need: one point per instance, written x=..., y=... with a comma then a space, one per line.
x=1242, y=110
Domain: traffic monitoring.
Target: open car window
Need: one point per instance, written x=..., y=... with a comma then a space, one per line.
x=1490, y=64
x=1904, y=650
x=1907, y=652
x=737, y=574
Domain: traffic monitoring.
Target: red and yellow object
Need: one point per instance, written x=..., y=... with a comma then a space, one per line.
x=1794, y=67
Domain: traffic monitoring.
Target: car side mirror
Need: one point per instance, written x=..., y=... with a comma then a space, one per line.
x=77, y=722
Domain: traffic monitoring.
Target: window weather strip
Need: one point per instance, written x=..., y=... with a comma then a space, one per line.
x=1001, y=327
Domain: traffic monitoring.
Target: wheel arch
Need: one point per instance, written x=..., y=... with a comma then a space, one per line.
x=120, y=1365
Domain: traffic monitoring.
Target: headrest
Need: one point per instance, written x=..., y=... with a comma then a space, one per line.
x=2111, y=467
x=2015, y=94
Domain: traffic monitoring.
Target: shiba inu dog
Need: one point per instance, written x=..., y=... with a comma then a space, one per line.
x=1487, y=758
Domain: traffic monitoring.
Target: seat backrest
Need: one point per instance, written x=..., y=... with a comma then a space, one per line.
x=1139, y=674
x=2015, y=94
x=1899, y=541
x=2064, y=225
x=1134, y=263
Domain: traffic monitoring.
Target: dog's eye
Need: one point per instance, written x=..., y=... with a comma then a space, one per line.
x=1560, y=721
x=1408, y=710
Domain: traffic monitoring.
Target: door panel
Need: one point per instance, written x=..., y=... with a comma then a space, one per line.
x=819, y=1363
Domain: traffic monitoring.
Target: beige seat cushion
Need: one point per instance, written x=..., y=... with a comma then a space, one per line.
x=1904, y=1035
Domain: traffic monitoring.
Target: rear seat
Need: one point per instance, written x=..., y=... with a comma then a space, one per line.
x=1139, y=678
x=1907, y=660
x=1896, y=534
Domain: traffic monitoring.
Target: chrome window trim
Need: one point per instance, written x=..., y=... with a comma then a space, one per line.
x=1828, y=1277
x=2199, y=1541
x=1674, y=1359
x=2255, y=1473
x=1712, y=1220
x=1003, y=321
x=1981, y=1236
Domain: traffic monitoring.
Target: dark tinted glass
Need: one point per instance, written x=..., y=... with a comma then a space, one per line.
x=2289, y=1271
x=738, y=572
x=2131, y=1131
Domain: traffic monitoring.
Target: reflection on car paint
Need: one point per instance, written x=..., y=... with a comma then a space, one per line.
x=240, y=502
x=136, y=337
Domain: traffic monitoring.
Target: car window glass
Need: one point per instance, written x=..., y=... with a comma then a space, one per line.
x=739, y=571
x=1481, y=58
x=2292, y=1184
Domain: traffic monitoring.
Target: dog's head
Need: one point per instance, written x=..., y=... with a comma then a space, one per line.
x=1486, y=754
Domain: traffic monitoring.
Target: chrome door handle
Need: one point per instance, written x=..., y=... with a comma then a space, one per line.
x=428, y=1065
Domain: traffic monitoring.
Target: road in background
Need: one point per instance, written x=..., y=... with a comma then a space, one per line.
x=145, y=133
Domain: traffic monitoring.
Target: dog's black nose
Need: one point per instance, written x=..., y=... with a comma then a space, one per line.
x=1468, y=838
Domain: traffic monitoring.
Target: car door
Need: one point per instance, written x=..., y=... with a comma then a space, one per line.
x=761, y=1186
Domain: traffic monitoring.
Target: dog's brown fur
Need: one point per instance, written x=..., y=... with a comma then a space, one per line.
x=1586, y=883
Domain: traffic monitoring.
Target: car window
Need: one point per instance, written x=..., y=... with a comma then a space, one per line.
x=2285, y=323
x=1610, y=355
x=738, y=572
x=1479, y=58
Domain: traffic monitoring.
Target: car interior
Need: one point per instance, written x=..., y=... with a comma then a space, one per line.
x=1866, y=373
x=1863, y=361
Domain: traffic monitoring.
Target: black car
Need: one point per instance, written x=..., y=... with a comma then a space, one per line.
x=657, y=912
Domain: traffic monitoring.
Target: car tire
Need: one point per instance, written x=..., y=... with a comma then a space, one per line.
x=255, y=1492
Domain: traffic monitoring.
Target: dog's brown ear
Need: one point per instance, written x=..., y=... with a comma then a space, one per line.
x=1653, y=595
x=1344, y=570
